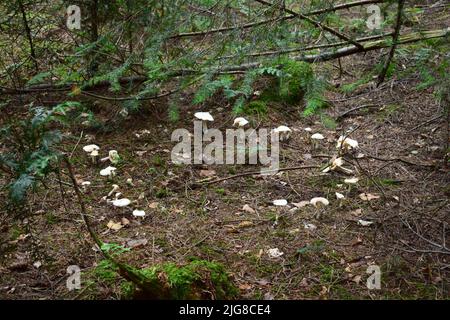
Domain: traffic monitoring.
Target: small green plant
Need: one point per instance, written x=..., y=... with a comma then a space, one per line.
x=255, y=107
x=32, y=148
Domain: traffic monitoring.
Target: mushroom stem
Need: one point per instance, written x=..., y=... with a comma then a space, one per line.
x=204, y=126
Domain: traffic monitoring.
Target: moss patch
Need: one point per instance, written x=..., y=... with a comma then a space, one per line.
x=199, y=279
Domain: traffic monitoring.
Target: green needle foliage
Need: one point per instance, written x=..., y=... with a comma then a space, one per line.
x=32, y=154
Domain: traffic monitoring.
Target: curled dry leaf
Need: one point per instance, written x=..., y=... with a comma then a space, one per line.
x=368, y=196
x=357, y=212
x=207, y=173
x=301, y=204
x=248, y=209
x=153, y=205
x=114, y=225
x=137, y=243
x=245, y=224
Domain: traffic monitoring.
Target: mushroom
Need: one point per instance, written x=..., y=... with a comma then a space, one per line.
x=204, y=117
x=85, y=185
x=339, y=196
x=94, y=156
x=308, y=129
x=274, y=253
x=114, y=189
x=91, y=147
x=284, y=132
x=121, y=203
x=113, y=157
x=124, y=113
x=318, y=201
x=346, y=144
x=108, y=172
x=315, y=138
x=364, y=223
x=130, y=182
x=240, y=122
x=138, y=213
x=351, y=180
x=336, y=164
x=310, y=226
x=280, y=202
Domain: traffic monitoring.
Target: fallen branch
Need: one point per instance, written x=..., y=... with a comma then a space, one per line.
x=346, y=113
x=156, y=285
x=317, y=24
x=250, y=173
x=326, y=56
x=267, y=21
x=402, y=160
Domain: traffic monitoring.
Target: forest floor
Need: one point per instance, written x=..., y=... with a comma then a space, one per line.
x=401, y=134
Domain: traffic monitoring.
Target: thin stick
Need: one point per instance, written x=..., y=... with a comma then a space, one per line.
x=398, y=26
x=317, y=24
x=76, y=145
x=251, y=173
x=344, y=114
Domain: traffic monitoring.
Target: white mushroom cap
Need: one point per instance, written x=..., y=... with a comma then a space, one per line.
x=121, y=202
x=108, y=171
x=351, y=180
x=346, y=143
x=86, y=183
x=91, y=147
x=138, y=213
x=319, y=201
x=364, y=223
x=204, y=116
x=274, y=253
x=310, y=226
x=317, y=136
x=282, y=129
x=308, y=129
x=280, y=202
x=339, y=196
x=337, y=164
x=240, y=122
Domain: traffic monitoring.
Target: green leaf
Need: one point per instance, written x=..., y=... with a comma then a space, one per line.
x=20, y=186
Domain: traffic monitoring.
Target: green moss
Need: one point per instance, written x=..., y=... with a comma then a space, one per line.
x=51, y=218
x=15, y=232
x=220, y=191
x=106, y=271
x=162, y=193
x=190, y=281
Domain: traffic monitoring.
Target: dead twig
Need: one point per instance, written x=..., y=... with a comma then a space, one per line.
x=251, y=173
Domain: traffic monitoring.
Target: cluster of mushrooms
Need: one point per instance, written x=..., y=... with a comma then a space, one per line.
x=344, y=145
x=114, y=197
